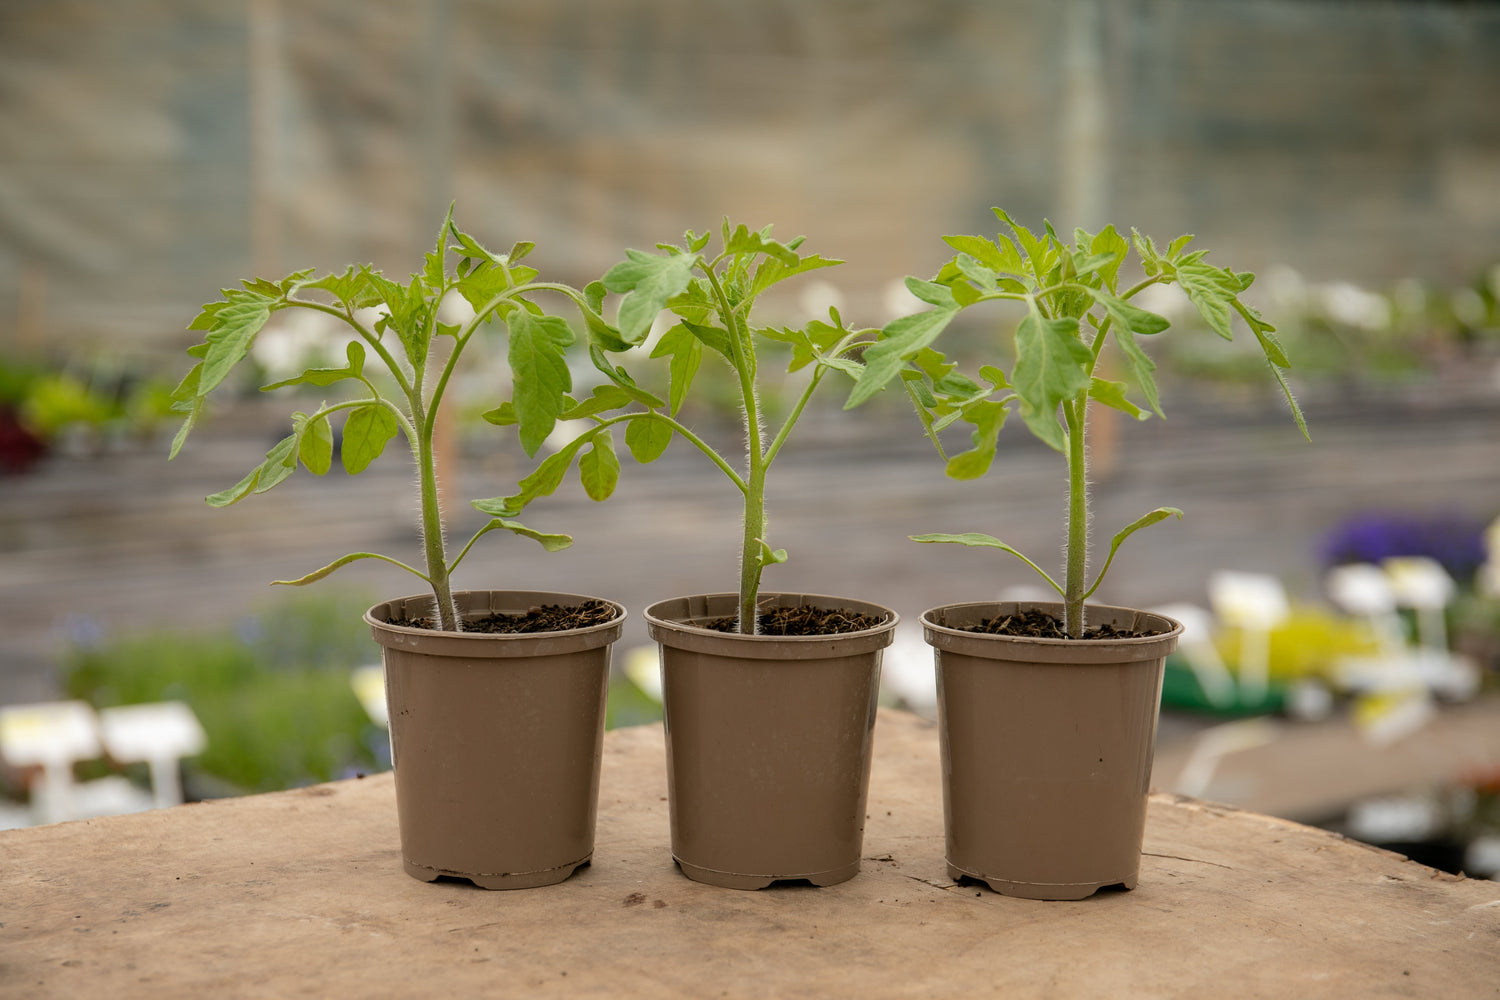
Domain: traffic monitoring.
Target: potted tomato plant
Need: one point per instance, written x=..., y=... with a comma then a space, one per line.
x=1048, y=710
x=496, y=697
x=769, y=697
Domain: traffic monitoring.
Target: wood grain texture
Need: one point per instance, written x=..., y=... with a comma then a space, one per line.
x=301, y=893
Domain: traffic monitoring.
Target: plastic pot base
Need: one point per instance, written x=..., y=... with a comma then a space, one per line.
x=510, y=880
x=729, y=880
x=768, y=742
x=1062, y=891
x=496, y=740
x=1047, y=747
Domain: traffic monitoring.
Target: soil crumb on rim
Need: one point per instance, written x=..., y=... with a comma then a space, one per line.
x=1036, y=624
x=803, y=620
x=544, y=618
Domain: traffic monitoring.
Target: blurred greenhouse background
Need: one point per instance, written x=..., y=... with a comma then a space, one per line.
x=1347, y=153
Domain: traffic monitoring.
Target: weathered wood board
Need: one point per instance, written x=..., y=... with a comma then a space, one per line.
x=302, y=894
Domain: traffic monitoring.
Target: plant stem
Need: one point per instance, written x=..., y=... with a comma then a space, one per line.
x=750, y=557
x=755, y=474
x=432, y=515
x=1075, y=411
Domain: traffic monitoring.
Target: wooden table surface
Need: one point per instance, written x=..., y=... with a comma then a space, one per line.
x=301, y=893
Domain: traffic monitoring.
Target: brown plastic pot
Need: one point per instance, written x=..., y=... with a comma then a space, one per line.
x=768, y=742
x=1047, y=747
x=495, y=740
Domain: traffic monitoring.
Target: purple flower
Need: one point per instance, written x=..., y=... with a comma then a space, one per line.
x=1455, y=540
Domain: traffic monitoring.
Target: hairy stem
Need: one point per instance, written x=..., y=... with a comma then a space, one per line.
x=756, y=459
x=1075, y=411
x=432, y=515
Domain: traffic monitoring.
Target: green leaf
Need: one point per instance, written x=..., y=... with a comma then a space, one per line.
x=648, y=281
x=543, y=481
x=977, y=540
x=539, y=372
x=1291, y=401
x=985, y=252
x=747, y=241
x=481, y=285
x=407, y=315
x=237, y=492
x=1141, y=364
x=1113, y=394
x=605, y=335
x=711, y=336
x=899, y=341
x=988, y=417
x=1133, y=318
x=1146, y=520
x=696, y=304
x=339, y=563
x=1041, y=251
x=281, y=462
x=774, y=269
x=322, y=377
x=647, y=438
x=602, y=399
x=599, y=467
x=1265, y=333
x=469, y=247
x=264, y=476
x=314, y=443
x=932, y=293
x=550, y=542
x=1109, y=242
x=686, y=351
x=621, y=378
x=993, y=376
x=194, y=411
x=503, y=415
x=351, y=288
x=186, y=399
x=770, y=556
x=1051, y=365
x=1205, y=289
x=366, y=432
x=982, y=278
x=1086, y=264
x=234, y=327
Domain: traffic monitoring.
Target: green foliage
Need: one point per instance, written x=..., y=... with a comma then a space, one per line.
x=274, y=696
x=1074, y=307
x=103, y=396
x=420, y=353
x=711, y=300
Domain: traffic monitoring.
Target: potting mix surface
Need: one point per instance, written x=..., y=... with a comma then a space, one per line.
x=803, y=620
x=1035, y=624
x=546, y=618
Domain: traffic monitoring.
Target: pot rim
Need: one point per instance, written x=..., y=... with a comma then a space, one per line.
x=679, y=631
x=489, y=601
x=773, y=599
x=1052, y=650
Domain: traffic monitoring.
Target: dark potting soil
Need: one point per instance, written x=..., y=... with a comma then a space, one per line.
x=1035, y=624
x=804, y=620
x=546, y=618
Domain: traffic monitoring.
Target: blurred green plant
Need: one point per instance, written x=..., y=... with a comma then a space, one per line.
x=273, y=695
x=1340, y=330
x=101, y=398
